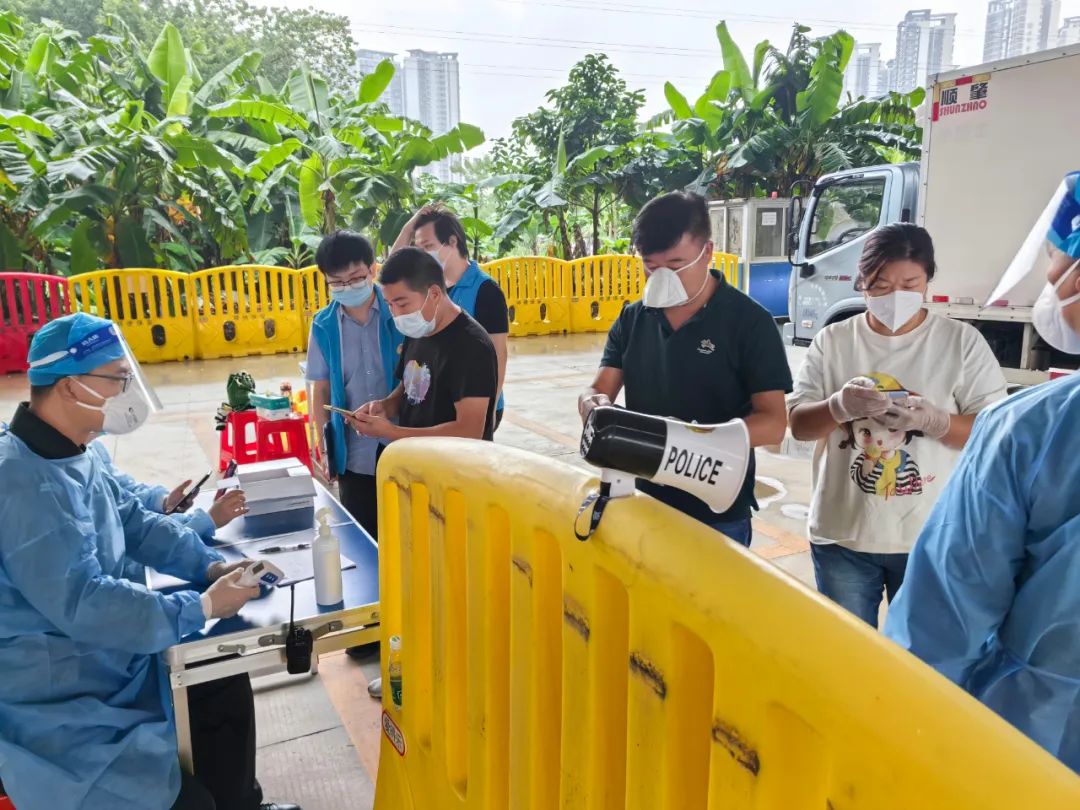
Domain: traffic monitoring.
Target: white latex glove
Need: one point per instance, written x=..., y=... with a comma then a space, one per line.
x=858, y=399
x=217, y=570
x=916, y=413
x=587, y=403
x=224, y=598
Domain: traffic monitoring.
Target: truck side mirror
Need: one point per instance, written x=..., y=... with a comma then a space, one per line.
x=794, y=221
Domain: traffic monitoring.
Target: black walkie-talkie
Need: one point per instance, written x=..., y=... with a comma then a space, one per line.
x=299, y=643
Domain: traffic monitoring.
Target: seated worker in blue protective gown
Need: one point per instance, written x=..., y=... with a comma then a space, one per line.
x=85, y=711
x=991, y=598
x=160, y=500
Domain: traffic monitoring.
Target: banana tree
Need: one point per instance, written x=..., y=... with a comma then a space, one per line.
x=765, y=125
x=102, y=168
x=113, y=156
x=345, y=161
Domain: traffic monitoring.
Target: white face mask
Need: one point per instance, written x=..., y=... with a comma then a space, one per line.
x=895, y=309
x=1048, y=316
x=435, y=255
x=663, y=288
x=414, y=324
x=124, y=413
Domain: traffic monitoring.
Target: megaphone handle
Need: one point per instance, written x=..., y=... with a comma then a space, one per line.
x=600, y=500
x=613, y=484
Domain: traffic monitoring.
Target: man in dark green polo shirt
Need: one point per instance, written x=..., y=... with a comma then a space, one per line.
x=694, y=348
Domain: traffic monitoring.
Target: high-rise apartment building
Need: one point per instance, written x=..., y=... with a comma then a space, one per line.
x=394, y=97
x=887, y=82
x=425, y=88
x=999, y=16
x=1018, y=27
x=924, y=46
x=1070, y=32
x=862, y=79
x=432, y=93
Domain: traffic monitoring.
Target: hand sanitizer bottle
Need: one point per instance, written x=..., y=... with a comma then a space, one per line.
x=326, y=562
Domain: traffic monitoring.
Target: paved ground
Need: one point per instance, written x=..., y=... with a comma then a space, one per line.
x=318, y=737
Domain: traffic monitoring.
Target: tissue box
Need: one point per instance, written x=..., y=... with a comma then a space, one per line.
x=271, y=407
x=280, y=496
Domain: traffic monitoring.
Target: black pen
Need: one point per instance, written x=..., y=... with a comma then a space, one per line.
x=280, y=549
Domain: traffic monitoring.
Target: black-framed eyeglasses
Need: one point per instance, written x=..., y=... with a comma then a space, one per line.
x=344, y=285
x=124, y=379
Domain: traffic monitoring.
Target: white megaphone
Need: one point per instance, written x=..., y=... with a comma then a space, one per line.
x=707, y=461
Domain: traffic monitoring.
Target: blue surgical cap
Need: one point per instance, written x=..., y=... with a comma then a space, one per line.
x=1065, y=230
x=72, y=345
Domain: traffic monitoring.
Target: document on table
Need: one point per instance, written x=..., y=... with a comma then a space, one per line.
x=297, y=566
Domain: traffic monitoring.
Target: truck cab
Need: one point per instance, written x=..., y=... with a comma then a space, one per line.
x=843, y=209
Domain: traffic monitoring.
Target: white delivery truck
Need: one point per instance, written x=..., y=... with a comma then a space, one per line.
x=997, y=141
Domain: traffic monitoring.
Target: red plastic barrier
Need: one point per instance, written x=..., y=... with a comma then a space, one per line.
x=28, y=301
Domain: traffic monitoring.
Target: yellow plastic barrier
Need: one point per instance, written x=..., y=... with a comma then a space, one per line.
x=600, y=286
x=656, y=666
x=536, y=293
x=732, y=270
x=152, y=307
x=246, y=310
x=314, y=295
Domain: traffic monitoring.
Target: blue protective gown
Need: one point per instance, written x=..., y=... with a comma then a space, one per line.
x=85, y=708
x=152, y=497
x=991, y=598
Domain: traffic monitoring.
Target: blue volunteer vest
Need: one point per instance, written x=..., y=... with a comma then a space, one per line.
x=326, y=330
x=464, y=295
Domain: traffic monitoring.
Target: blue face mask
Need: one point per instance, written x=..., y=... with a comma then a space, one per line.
x=355, y=295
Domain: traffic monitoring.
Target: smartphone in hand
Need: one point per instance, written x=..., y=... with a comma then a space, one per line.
x=186, y=502
x=335, y=409
x=230, y=471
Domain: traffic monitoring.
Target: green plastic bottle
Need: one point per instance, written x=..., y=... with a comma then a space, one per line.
x=395, y=671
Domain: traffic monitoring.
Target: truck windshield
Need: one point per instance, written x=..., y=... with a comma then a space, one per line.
x=843, y=212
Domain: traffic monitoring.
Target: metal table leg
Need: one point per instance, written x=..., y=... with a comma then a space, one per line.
x=183, y=725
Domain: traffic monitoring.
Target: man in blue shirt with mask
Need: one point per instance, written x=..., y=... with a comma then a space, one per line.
x=991, y=597
x=437, y=231
x=352, y=354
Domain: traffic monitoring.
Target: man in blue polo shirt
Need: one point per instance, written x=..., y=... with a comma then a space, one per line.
x=694, y=348
x=436, y=230
x=352, y=355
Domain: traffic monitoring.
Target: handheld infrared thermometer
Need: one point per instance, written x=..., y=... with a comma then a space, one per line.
x=261, y=573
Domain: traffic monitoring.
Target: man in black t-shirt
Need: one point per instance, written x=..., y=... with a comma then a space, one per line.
x=436, y=230
x=447, y=375
x=695, y=349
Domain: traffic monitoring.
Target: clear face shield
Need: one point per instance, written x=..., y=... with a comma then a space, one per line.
x=1054, y=239
x=103, y=354
x=1047, y=266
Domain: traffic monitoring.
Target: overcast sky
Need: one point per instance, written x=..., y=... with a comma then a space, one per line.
x=513, y=51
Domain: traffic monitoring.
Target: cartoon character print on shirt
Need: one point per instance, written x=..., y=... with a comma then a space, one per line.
x=884, y=467
x=417, y=382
